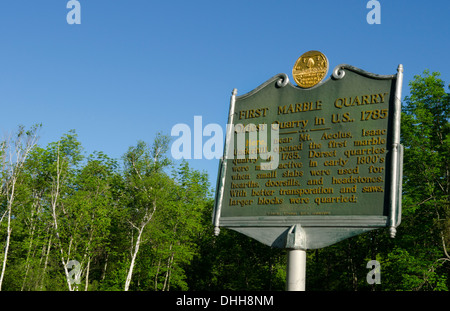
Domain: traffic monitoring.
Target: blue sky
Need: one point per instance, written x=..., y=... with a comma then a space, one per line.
x=133, y=68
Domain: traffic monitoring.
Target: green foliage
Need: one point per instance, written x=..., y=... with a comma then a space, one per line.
x=417, y=259
x=405, y=271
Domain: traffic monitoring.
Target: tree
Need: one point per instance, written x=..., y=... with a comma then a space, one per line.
x=92, y=209
x=139, y=226
x=14, y=152
x=426, y=138
x=418, y=258
x=147, y=185
x=178, y=228
x=56, y=171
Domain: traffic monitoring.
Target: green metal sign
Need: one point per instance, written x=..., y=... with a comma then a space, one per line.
x=306, y=168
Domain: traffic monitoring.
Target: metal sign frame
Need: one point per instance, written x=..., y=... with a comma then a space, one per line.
x=312, y=232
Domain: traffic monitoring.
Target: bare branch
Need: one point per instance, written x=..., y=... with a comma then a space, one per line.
x=444, y=247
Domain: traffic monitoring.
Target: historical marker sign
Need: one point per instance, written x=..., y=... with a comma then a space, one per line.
x=316, y=165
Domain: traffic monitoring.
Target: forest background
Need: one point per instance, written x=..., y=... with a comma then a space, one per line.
x=143, y=222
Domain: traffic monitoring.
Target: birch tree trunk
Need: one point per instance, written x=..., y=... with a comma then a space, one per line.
x=157, y=273
x=105, y=267
x=87, y=274
x=54, y=201
x=46, y=261
x=27, y=262
x=8, y=237
x=168, y=269
x=11, y=170
x=133, y=258
x=145, y=172
x=147, y=217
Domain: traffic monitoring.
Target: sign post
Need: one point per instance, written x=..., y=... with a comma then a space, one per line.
x=307, y=166
x=296, y=270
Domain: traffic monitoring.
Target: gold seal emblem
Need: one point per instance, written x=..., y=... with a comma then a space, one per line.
x=310, y=69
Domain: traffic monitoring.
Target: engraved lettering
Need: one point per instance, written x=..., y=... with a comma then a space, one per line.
x=313, y=145
x=299, y=200
x=338, y=162
x=262, y=192
x=334, y=144
x=315, y=181
x=282, y=183
x=253, y=113
x=346, y=162
x=290, y=164
x=240, y=202
x=265, y=201
x=371, y=189
x=238, y=193
x=293, y=173
x=373, y=132
x=337, y=135
x=272, y=174
x=240, y=176
x=344, y=118
x=373, y=169
x=249, y=184
x=372, y=141
x=292, y=124
x=320, y=172
x=346, y=171
x=300, y=192
x=348, y=189
x=300, y=107
x=368, y=99
x=321, y=154
x=340, y=199
x=357, y=179
x=304, y=137
x=240, y=168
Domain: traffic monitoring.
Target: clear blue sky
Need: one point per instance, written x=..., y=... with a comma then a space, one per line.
x=136, y=67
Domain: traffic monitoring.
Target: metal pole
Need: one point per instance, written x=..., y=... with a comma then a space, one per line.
x=227, y=154
x=395, y=154
x=296, y=270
